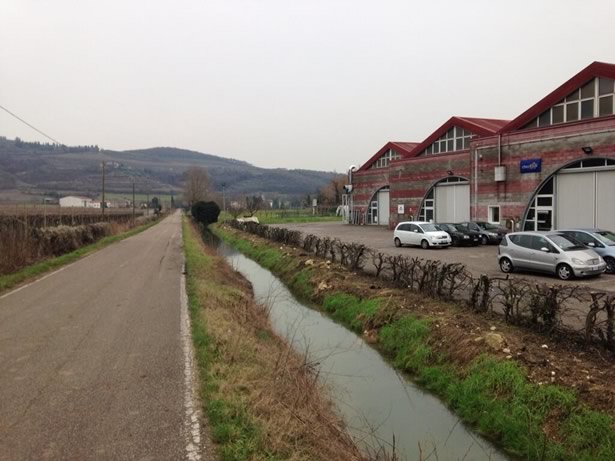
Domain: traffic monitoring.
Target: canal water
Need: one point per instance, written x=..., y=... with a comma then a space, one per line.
x=380, y=406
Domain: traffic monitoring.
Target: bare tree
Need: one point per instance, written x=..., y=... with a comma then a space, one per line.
x=196, y=185
x=253, y=204
x=235, y=209
x=331, y=193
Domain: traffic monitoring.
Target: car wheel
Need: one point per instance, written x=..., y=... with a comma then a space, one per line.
x=610, y=265
x=564, y=272
x=397, y=242
x=454, y=242
x=424, y=244
x=506, y=265
x=484, y=240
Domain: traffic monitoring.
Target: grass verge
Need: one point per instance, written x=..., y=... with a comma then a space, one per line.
x=263, y=401
x=282, y=217
x=531, y=421
x=9, y=281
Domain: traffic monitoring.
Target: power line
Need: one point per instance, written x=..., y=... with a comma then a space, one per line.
x=26, y=123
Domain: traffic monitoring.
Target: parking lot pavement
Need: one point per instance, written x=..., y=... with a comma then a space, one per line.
x=478, y=260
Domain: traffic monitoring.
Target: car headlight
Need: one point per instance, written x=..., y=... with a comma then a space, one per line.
x=578, y=262
x=466, y=236
x=492, y=234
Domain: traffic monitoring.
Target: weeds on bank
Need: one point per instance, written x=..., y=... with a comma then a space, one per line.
x=531, y=421
x=264, y=402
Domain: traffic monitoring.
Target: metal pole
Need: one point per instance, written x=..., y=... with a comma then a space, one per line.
x=223, y=198
x=102, y=203
x=133, y=203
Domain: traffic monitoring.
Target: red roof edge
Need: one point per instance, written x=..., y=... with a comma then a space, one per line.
x=403, y=148
x=478, y=126
x=595, y=69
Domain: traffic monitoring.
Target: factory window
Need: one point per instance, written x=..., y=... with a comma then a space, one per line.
x=456, y=138
x=594, y=99
x=384, y=160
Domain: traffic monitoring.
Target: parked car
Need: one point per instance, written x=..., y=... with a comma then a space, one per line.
x=460, y=235
x=491, y=233
x=601, y=241
x=420, y=233
x=550, y=252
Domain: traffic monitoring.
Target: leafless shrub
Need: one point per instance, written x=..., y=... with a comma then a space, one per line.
x=540, y=307
x=603, y=329
x=378, y=261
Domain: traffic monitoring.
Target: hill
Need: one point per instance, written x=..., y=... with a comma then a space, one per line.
x=44, y=168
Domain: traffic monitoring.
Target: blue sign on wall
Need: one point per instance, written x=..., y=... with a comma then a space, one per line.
x=530, y=165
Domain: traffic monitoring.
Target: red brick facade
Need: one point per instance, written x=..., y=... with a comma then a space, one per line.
x=495, y=143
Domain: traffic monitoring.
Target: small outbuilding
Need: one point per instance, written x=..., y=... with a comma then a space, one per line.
x=75, y=201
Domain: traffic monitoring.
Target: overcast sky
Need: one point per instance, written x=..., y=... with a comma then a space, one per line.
x=319, y=84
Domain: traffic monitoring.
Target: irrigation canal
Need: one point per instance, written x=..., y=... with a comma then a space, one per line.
x=378, y=404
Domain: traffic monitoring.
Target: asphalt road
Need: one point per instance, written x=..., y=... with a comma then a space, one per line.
x=478, y=260
x=93, y=360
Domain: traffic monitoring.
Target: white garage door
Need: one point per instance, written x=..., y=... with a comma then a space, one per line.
x=383, y=208
x=585, y=199
x=452, y=203
x=575, y=200
x=605, y=200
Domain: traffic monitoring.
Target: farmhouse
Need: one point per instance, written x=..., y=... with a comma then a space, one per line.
x=75, y=201
x=553, y=166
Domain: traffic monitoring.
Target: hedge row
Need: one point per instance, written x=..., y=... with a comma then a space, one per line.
x=564, y=309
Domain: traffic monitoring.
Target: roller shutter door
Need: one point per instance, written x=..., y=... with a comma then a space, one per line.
x=452, y=203
x=605, y=200
x=575, y=200
x=383, y=208
x=586, y=200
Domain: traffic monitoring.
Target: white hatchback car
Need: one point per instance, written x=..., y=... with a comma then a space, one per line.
x=425, y=234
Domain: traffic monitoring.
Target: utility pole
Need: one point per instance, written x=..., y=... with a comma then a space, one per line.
x=223, y=197
x=102, y=203
x=133, y=203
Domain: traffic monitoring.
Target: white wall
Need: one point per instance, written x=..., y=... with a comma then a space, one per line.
x=72, y=201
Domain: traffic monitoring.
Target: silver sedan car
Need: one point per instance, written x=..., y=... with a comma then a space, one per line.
x=549, y=252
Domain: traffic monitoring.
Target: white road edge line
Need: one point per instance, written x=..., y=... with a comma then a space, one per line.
x=6, y=295
x=16, y=290
x=192, y=415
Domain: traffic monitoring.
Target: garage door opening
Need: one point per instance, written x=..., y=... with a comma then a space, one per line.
x=447, y=201
x=378, y=212
x=579, y=195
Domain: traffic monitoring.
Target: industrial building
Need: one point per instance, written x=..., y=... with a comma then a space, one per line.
x=553, y=166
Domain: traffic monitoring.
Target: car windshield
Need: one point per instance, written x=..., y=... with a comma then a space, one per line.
x=446, y=227
x=606, y=237
x=488, y=226
x=566, y=242
x=430, y=227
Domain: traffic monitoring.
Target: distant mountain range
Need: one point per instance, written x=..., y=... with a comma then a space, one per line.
x=44, y=168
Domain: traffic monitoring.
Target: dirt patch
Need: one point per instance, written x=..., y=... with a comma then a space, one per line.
x=460, y=334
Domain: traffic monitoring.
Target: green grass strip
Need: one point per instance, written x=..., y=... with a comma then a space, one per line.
x=236, y=433
x=281, y=217
x=285, y=266
x=492, y=395
x=9, y=281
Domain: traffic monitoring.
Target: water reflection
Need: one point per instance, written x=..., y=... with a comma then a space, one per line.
x=377, y=403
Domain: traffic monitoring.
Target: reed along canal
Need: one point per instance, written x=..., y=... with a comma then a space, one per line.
x=380, y=406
